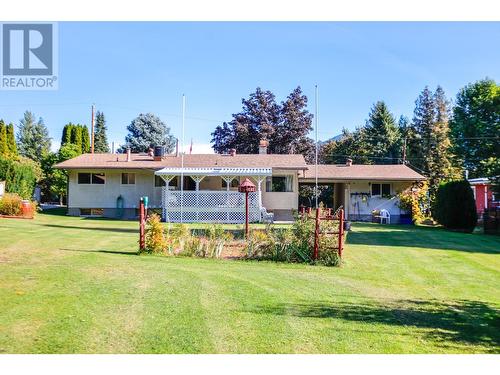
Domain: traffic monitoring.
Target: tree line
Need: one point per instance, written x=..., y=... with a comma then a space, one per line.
x=441, y=140
x=26, y=158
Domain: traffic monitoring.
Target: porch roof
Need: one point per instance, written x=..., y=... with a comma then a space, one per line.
x=219, y=171
x=342, y=172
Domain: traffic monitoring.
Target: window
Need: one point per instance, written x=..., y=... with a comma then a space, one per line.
x=279, y=184
x=98, y=178
x=234, y=183
x=159, y=182
x=128, y=178
x=84, y=178
x=92, y=178
x=383, y=190
x=91, y=211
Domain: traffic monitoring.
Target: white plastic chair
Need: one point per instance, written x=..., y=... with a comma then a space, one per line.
x=385, y=215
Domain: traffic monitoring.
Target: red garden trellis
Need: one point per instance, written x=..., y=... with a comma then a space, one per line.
x=326, y=215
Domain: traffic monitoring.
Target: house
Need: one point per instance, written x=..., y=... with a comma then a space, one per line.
x=361, y=189
x=483, y=194
x=204, y=188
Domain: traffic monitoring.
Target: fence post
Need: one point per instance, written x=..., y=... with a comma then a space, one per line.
x=316, y=235
x=142, y=242
x=341, y=231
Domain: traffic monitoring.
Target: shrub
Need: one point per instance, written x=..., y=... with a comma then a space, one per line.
x=10, y=205
x=155, y=236
x=455, y=207
x=415, y=201
x=20, y=175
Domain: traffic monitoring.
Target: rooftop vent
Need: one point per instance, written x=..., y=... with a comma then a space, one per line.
x=348, y=162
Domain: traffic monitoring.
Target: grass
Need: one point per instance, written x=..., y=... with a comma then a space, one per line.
x=73, y=285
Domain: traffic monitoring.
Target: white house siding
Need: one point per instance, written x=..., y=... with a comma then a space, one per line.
x=360, y=210
x=105, y=196
x=282, y=204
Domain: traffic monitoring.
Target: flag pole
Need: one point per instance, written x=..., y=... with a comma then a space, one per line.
x=182, y=154
x=316, y=148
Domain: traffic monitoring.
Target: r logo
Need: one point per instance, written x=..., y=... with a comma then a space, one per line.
x=27, y=49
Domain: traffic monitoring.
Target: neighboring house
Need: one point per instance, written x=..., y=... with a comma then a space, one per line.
x=483, y=194
x=205, y=187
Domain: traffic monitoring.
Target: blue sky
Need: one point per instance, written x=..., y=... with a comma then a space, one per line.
x=129, y=68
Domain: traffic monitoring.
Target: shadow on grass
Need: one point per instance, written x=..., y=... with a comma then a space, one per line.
x=118, y=252
x=462, y=321
x=425, y=237
x=101, y=229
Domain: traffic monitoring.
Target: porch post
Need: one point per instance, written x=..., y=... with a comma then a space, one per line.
x=228, y=180
x=197, y=180
x=165, y=195
x=260, y=179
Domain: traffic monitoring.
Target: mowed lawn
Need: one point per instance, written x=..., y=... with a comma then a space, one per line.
x=74, y=285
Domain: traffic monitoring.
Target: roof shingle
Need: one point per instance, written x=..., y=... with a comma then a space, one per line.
x=363, y=172
x=139, y=161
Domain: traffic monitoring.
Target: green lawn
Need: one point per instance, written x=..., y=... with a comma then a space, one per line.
x=72, y=285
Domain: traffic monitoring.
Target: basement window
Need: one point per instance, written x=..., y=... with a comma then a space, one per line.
x=128, y=178
x=91, y=211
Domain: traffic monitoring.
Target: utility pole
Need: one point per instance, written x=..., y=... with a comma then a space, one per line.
x=404, y=151
x=92, y=132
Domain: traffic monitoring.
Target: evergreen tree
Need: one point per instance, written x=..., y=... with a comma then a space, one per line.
x=148, y=130
x=85, y=139
x=76, y=137
x=3, y=139
x=350, y=145
x=100, y=138
x=67, y=134
x=406, y=132
x=475, y=127
x=430, y=147
x=382, y=135
x=11, y=140
x=422, y=123
x=33, y=137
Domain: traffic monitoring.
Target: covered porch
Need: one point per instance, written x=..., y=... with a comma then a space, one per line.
x=210, y=194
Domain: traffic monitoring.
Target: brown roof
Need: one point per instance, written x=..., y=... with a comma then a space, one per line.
x=139, y=161
x=363, y=172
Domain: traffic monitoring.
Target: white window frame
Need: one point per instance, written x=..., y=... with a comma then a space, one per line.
x=128, y=178
x=280, y=175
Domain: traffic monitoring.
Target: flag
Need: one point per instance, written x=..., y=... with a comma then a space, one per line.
x=191, y=147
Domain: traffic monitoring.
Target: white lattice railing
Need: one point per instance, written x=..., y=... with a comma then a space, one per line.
x=209, y=206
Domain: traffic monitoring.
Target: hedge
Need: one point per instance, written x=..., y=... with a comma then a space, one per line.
x=455, y=206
